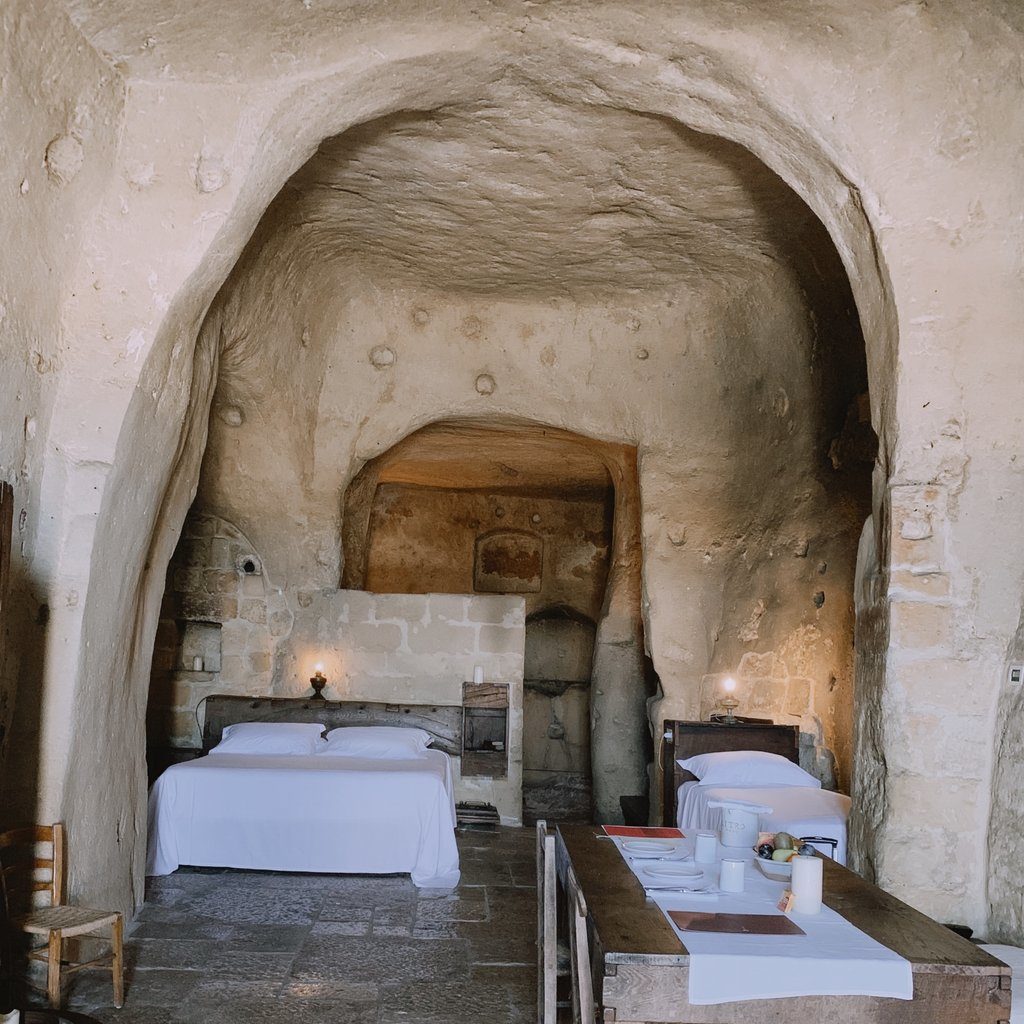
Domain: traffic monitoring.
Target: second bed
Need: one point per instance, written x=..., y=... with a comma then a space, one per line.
x=802, y=810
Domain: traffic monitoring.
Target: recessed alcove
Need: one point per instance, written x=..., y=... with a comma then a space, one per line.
x=466, y=506
x=558, y=666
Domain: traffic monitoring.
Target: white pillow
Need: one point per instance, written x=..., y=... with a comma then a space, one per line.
x=747, y=768
x=376, y=741
x=271, y=738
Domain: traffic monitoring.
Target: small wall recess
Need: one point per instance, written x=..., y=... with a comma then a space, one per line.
x=1016, y=675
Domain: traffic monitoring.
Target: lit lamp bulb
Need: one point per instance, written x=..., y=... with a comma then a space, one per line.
x=729, y=701
x=318, y=681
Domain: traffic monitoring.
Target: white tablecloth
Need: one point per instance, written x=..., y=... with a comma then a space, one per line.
x=832, y=958
x=317, y=813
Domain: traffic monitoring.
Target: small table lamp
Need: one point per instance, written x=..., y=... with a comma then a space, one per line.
x=729, y=702
x=318, y=681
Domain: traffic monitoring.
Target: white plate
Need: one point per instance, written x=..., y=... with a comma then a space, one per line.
x=649, y=846
x=672, y=871
x=776, y=870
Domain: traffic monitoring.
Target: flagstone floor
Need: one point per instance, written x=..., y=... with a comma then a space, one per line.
x=237, y=947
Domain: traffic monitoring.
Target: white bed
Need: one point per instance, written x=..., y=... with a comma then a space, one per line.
x=319, y=813
x=799, y=810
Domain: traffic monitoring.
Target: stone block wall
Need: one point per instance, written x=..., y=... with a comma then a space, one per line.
x=414, y=648
x=217, y=606
x=938, y=724
x=255, y=638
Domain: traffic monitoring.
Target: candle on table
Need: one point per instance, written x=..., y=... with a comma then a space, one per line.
x=807, y=884
x=478, y=674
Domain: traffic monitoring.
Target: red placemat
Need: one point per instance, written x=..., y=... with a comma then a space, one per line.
x=642, y=832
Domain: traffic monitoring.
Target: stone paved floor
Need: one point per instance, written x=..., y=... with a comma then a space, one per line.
x=227, y=947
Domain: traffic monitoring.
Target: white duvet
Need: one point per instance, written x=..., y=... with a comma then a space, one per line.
x=318, y=813
x=800, y=810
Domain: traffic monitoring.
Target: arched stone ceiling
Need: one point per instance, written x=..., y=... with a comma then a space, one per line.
x=518, y=195
x=497, y=456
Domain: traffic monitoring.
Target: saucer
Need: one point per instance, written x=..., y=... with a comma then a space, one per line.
x=672, y=871
x=653, y=846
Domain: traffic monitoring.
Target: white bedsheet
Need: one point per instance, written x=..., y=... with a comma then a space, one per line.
x=799, y=810
x=317, y=813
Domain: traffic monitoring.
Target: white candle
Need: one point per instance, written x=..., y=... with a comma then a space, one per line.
x=730, y=878
x=197, y=663
x=706, y=848
x=807, y=883
x=478, y=674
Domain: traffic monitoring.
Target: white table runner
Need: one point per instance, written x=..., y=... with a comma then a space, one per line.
x=832, y=958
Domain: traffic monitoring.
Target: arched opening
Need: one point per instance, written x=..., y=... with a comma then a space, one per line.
x=506, y=507
x=609, y=413
x=557, y=765
x=600, y=296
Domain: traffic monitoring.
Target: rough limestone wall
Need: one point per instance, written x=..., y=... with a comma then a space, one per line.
x=541, y=371
x=750, y=533
x=415, y=648
x=620, y=736
x=788, y=633
x=423, y=540
x=1007, y=816
x=953, y=592
x=60, y=107
x=871, y=642
x=218, y=580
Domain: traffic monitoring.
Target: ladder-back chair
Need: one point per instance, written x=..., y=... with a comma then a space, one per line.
x=32, y=864
x=584, y=1009
x=547, y=927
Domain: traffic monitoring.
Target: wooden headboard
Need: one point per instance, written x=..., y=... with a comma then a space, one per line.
x=681, y=740
x=444, y=723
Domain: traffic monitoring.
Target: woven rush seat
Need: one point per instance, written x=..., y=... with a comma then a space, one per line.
x=69, y=921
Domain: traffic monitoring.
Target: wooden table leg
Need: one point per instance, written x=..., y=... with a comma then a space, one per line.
x=54, y=953
x=117, y=964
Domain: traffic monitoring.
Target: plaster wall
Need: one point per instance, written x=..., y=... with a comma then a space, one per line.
x=934, y=271
x=423, y=540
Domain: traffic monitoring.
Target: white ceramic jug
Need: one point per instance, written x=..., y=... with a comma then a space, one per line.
x=739, y=822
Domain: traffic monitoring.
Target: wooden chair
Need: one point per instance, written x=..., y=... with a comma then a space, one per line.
x=583, y=1008
x=26, y=873
x=547, y=927
x=552, y=948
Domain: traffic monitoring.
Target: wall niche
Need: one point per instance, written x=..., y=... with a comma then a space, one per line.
x=217, y=631
x=508, y=562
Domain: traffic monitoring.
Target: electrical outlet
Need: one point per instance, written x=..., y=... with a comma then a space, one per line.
x=1017, y=674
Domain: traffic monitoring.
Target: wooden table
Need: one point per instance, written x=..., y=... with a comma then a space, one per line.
x=641, y=968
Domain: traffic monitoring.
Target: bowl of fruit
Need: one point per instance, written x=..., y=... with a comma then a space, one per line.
x=775, y=852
